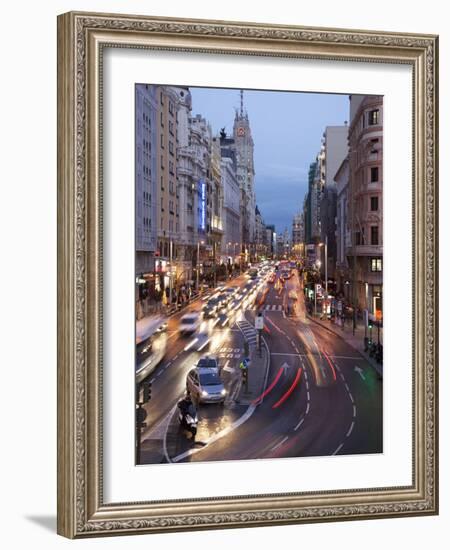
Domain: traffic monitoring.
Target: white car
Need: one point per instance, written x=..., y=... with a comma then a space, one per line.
x=189, y=323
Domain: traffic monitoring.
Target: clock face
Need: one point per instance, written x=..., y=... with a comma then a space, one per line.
x=241, y=131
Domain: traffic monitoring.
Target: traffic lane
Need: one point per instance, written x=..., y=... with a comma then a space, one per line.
x=323, y=430
x=331, y=409
x=197, y=304
x=283, y=407
x=363, y=386
x=169, y=381
x=366, y=389
x=269, y=424
x=308, y=422
x=328, y=390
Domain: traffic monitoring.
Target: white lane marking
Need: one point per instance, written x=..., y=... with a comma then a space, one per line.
x=359, y=370
x=307, y=395
x=280, y=443
x=351, y=429
x=307, y=408
x=354, y=411
x=351, y=397
x=338, y=449
x=299, y=424
x=166, y=453
x=219, y=435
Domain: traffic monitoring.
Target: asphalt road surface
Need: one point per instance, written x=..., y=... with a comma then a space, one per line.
x=321, y=397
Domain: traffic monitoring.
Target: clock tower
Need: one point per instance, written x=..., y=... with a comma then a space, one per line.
x=244, y=147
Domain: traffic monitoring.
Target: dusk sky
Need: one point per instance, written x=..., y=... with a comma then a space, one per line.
x=287, y=128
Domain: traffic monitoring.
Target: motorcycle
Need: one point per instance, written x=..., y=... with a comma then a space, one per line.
x=188, y=418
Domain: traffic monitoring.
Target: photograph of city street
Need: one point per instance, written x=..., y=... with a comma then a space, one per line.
x=259, y=274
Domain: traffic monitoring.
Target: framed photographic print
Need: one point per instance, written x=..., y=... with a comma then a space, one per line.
x=247, y=284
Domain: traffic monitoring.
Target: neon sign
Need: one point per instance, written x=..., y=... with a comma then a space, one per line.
x=202, y=209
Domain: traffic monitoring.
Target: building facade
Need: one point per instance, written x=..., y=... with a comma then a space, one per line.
x=334, y=151
x=343, y=236
x=145, y=194
x=245, y=171
x=365, y=198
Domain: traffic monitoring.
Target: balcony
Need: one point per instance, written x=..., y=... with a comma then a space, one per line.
x=365, y=250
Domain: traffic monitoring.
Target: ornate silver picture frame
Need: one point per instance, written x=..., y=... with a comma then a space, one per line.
x=82, y=40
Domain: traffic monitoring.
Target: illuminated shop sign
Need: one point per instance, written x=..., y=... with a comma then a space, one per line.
x=202, y=209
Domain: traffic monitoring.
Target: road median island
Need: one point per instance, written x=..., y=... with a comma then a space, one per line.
x=257, y=373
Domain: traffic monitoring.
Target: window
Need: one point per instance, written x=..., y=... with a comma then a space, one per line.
x=162, y=141
x=376, y=264
x=162, y=183
x=162, y=119
x=162, y=162
x=162, y=204
x=171, y=147
x=374, y=117
x=374, y=235
x=374, y=204
x=374, y=174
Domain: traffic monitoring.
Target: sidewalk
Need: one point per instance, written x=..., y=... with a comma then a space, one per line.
x=355, y=340
x=257, y=376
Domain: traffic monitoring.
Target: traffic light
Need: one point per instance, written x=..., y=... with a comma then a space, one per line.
x=147, y=392
x=370, y=324
x=244, y=374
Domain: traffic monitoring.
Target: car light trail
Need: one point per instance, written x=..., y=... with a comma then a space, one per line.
x=204, y=345
x=290, y=390
x=270, y=388
x=189, y=346
x=333, y=370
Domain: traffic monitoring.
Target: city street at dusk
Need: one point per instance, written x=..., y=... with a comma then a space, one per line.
x=259, y=274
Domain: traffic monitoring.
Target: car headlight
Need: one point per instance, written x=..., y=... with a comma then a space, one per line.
x=224, y=391
x=204, y=393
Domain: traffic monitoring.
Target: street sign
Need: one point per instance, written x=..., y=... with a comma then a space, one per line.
x=319, y=290
x=259, y=322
